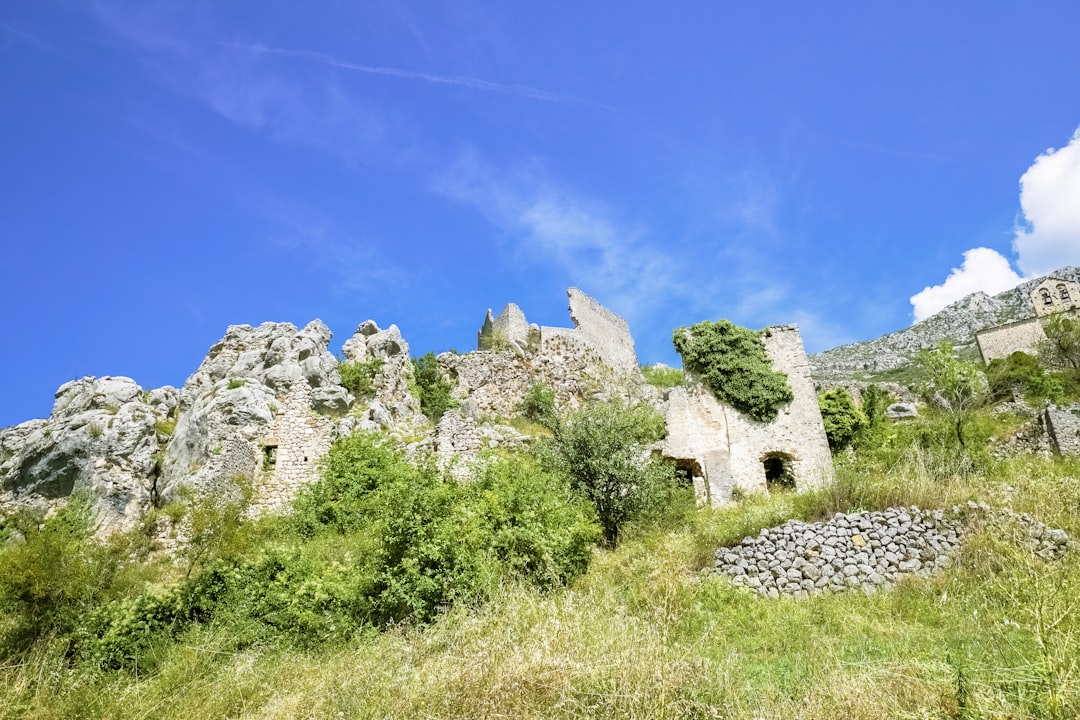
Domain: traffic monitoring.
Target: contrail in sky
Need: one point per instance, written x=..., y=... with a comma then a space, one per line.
x=524, y=91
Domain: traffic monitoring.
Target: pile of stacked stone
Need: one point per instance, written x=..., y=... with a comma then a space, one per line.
x=868, y=551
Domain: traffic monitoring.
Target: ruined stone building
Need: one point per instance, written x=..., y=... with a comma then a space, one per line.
x=1051, y=296
x=727, y=453
x=593, y=359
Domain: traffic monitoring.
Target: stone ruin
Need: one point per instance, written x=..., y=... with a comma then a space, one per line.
x=267, y=402
x=727, y=453
x=592, y=360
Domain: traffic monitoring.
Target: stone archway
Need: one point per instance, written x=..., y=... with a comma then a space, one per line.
x=779, y=469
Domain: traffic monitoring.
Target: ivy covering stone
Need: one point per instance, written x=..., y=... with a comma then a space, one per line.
x=732, y=362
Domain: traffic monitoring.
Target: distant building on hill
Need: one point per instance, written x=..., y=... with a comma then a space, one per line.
x=1051, y=296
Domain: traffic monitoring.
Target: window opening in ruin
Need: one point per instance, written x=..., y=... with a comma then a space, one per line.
x=779, y=474
x=1063, y=292
x=269, y=457
x=686, y=469
x=1048, y=299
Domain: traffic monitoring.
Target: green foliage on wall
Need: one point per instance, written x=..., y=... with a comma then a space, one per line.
x=732, y=362
x=434, y=389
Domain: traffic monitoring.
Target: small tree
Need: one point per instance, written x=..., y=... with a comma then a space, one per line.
x=602, y=451
x=1062, y=345
x=953, y=385
x=842, y=419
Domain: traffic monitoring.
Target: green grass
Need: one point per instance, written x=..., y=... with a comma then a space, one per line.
x=645, y=633
x=663, y=377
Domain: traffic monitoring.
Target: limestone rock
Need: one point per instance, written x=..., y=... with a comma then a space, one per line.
x=391, y=383
x=101, y=438
x=259, y=406
x=898, y=411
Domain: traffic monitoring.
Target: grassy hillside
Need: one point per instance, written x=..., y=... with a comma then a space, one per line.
x=646, y=632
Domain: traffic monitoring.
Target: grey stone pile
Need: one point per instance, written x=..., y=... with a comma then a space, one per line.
x=868, y=551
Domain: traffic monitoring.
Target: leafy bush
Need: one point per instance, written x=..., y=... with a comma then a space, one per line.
x=538, y=405
x=602, y=452
x=662, y=376
x=52, y=579
x=434, y=389
x=1022, y=373
x=358, y=377
x=732, y=362
x=841, y=417
x=1062, y=346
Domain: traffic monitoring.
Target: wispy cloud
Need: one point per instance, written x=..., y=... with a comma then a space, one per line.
x=465, y=81
x=545, y=223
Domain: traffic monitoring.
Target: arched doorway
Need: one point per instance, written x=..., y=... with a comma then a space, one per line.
x=779, y=471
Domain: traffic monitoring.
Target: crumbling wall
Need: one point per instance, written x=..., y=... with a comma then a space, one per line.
x=290, y=453
x=1063, y=427
x=579, y=363
x=731, y=448
x=1004, y=340
x=604, y=331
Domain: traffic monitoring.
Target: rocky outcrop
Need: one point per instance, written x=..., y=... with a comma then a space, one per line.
x=104, y=437
x=251, y=383
x=393, y=403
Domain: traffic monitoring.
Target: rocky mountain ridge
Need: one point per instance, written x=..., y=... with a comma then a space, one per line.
x=958, y=323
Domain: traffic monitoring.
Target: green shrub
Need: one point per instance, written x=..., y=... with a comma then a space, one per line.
x=538, y=405
x=601, y=450
x=235, y=383
x=841, y=417
x=732, y=362
x=434, y=389
x=52, y=579
x=165, y=427
x=953, y=386
x=662, y=376
x=358, y=377
x=1022, y=373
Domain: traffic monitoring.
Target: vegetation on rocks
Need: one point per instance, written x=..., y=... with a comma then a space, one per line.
x=432, y=388
x=394, y=590
x=662, y=376
x=732, y=362
x=358, y=377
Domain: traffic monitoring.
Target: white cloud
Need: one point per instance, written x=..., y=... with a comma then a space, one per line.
x=1050, y=199
x=554, y=226
x=983, y=270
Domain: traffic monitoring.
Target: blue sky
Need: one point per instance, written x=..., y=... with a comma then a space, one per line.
x=171, y=168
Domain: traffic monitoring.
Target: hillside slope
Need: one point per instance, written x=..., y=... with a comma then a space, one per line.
x=958, y=323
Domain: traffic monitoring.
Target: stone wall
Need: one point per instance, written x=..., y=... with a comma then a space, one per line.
x=604, y=331
x=1063, y=427
x=579, y=363
x=1004, y=340
x=290, y=453
x=731, y=449
x=1054, y=295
